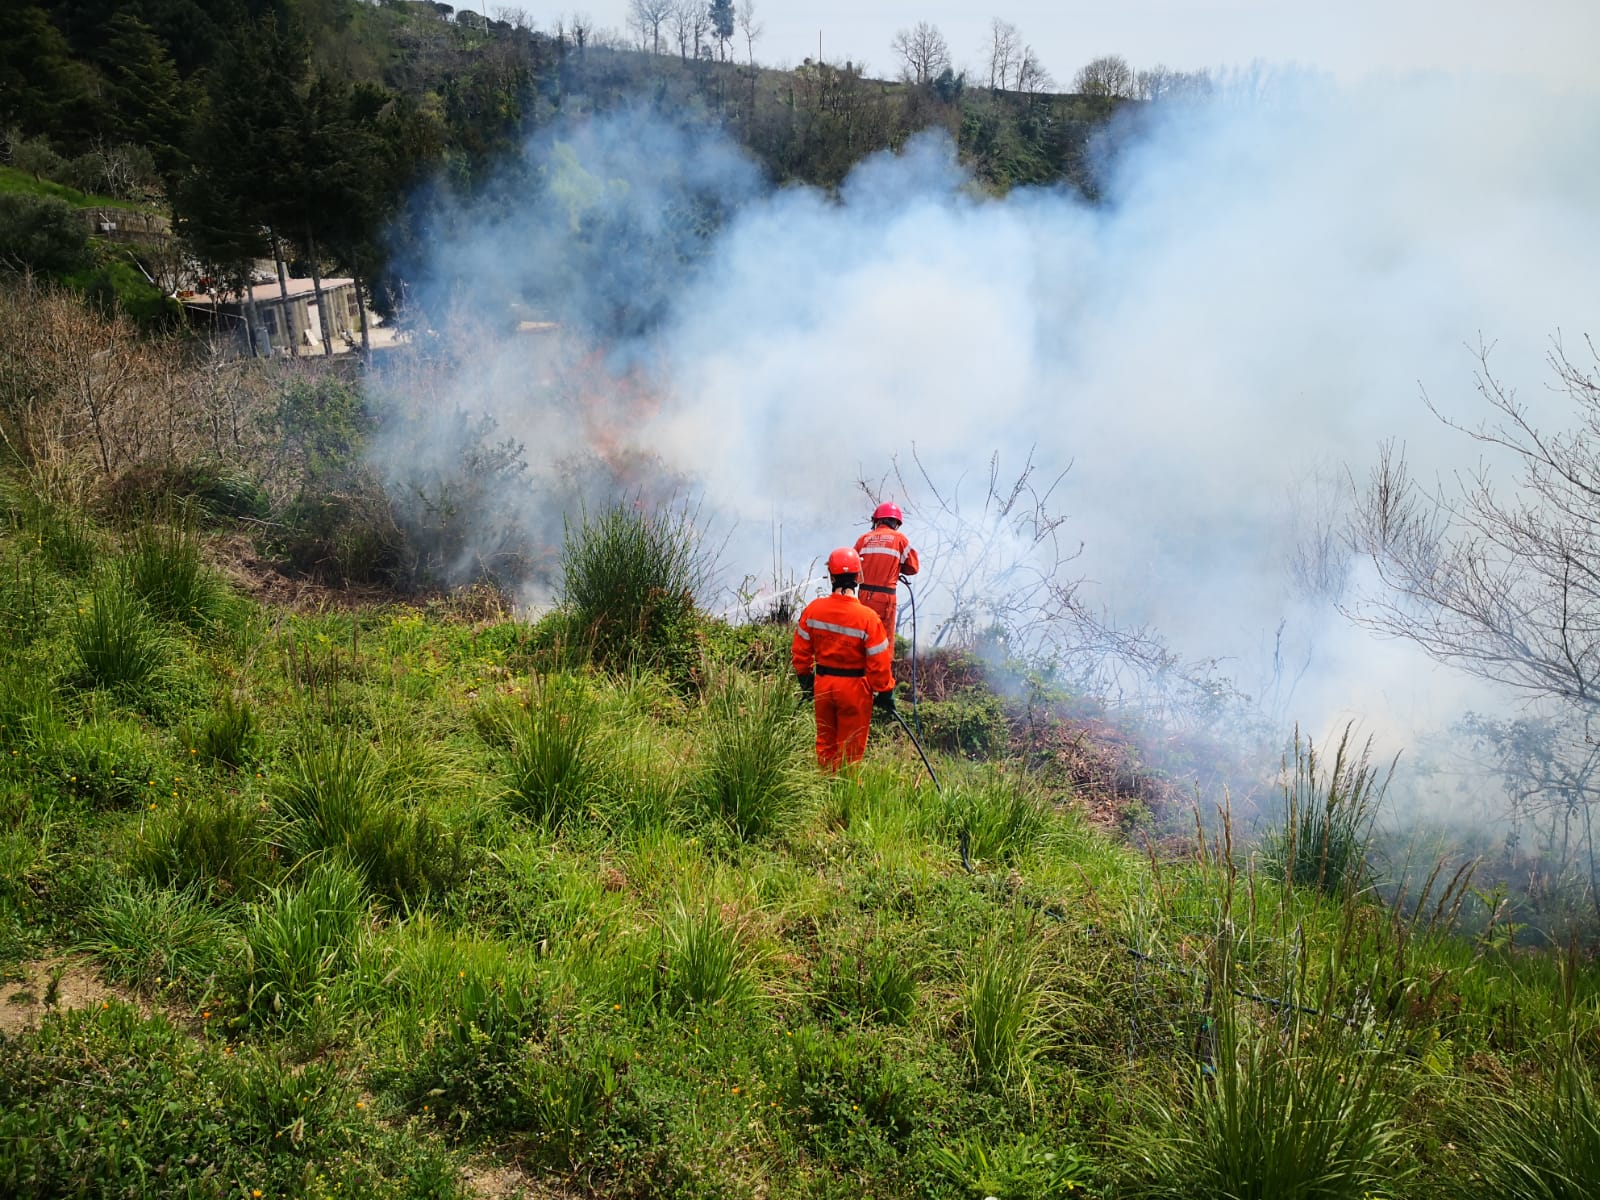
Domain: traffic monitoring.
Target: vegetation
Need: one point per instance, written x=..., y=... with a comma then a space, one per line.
x=381, y=890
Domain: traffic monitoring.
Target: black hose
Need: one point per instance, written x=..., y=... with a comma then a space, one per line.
x=920, y=753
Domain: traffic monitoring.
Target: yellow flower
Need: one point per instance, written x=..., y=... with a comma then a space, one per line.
x=256, y=1192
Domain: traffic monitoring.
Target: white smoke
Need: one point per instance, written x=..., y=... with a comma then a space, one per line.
x=1265, y=284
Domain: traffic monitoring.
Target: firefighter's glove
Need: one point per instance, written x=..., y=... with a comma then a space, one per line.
x=808, y=685
x=885, y=701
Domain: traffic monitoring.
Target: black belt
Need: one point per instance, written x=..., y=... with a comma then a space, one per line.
x=872, y=587
x=842, y=672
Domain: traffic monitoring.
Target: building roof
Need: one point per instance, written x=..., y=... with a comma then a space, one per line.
x=269, y=293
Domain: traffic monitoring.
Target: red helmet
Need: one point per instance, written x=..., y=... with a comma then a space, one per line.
x=844, y=561
x=888, y=512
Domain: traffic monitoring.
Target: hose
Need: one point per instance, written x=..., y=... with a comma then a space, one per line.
x=920, y=752
x=911, y=595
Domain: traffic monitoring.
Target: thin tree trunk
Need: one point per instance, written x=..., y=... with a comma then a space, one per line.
x=316, y=288
x=366, y=331
x=283, y=290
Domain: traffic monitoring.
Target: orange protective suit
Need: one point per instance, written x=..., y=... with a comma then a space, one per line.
x=886, y=554
x=842, y=640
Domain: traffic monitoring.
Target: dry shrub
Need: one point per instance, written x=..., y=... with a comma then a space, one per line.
x=85, y=397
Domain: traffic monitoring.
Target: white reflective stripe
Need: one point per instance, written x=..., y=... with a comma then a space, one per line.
x=802, y=632
x=906, y=557
x=880, y=550
x=878, y=649
x=832, y=628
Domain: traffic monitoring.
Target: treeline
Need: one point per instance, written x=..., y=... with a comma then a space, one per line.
x=298, y=128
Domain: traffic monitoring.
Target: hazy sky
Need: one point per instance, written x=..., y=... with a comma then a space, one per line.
x=1553, y=40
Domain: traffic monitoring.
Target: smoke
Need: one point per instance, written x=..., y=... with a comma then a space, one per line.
x=1267, y=282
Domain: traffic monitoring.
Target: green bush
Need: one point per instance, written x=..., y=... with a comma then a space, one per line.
x=338, y=799
x=107, y=1103
x=971, y=723
x=166, y=569
x=555, y=768
x=755, y=774
x=115, y=285
x=115, y=645
x=106, y=761
x=629, y=577
x=1328, y=816
x=41, y=234
x=875, y=982
x=471, y=1069
x=848, y=1095
x=220, y=843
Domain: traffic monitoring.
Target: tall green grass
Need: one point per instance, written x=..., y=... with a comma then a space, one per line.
x=114, y=643
x=221, y=844
x=998, y=819
x=755, y=776
x=555, y=769
x=1295, y=1082
x=999, y=1006
x=1328, y=814
x=153, y=936
x=338, y=798
x=296, y=938
x=629, y=579
x=703, y=964
x=1542, y=1141
x=167, y=570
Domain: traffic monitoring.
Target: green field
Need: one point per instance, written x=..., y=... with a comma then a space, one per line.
x=381, y=893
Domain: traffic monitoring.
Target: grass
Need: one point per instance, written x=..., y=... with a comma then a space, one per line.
x=556, y=768
x=612, y=926
x=166, y=569
x=338, y=799
x=755, y=777
x=629, y=577
x=115, y=644
x=1328, y=814
x=22, y=183
x=296, y=938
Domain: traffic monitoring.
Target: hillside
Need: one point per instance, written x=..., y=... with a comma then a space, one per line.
x=430, y=900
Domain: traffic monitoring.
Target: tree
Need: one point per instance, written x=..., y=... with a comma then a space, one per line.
x=922, y=51
x=750, y=27
x=722, y=24
x=648, y=16
x=1032, y=77
x=1163, y=83
x=146, y=94
x=41, y=234
x=690, y=20
x=1005, y=45
x=1502, y=584
x=1109, y=75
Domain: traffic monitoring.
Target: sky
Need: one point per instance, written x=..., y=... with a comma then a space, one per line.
x=1551, y=40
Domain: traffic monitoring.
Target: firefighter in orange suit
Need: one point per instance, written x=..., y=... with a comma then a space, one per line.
x=886, y=554
x=841, y=654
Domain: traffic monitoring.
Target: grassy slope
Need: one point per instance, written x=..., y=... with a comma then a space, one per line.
x=388, y=915
x=13, y=180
